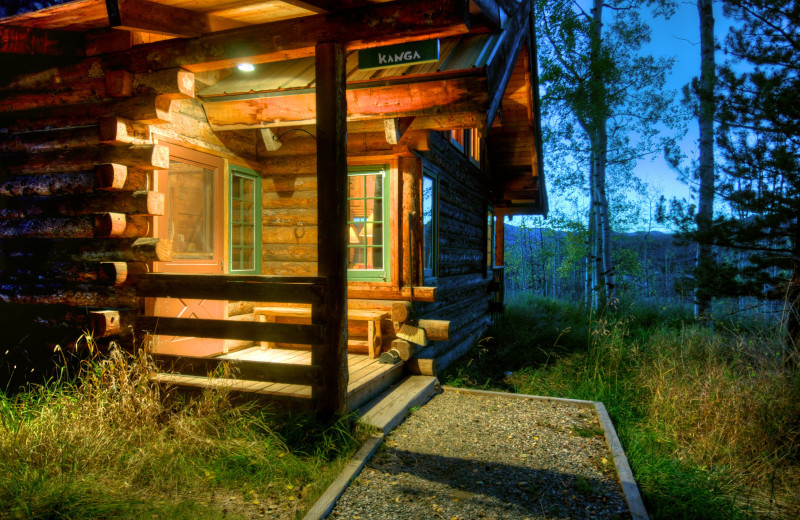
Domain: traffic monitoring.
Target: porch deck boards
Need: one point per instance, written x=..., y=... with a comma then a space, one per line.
x=368, y=377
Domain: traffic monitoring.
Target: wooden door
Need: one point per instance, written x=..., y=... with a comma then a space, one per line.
x=194, y=220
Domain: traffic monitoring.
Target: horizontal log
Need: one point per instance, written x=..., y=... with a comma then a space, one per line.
x=89, y=250
x=90, y=90
x=137, y=226
x=232, y=287
x=437, y=330
x=117, y=177
x=283, y=373
x=120, y=131
x=289, y=235
x=154, y=110
x=289, y=269
x=102, y=273
x=289, y=253
x=145, y=157
x=59, y=294
x=107, y=323
x=32, y=42
x=100, y=323
x=404, y=349
x=422, y=294
x=105, y=177
x=402, y=311
x=227, y=329
x=126, y=203
x=49, y=140
x=174, y=83
x=47, y=184
x=86, y=226
x=421, y=366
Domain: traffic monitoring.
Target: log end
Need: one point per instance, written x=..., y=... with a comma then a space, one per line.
x=109, y=225
x=110, y=176
x=112, y=130
x=160, y=157
x=119, y=83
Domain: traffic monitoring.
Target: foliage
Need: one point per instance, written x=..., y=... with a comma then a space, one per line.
x=108, y=444
x=709, y=418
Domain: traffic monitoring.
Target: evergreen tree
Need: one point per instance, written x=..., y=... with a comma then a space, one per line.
x=759, y=142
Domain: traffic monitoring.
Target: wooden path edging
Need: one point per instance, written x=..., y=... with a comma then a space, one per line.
x=384, y=412
x=628, y=483
x=325, y=503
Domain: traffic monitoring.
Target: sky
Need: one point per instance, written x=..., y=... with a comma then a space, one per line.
x=678, y=37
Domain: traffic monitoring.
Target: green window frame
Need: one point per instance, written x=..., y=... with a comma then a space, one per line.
x=244, y=222
x=430, y=225
x=368, y=218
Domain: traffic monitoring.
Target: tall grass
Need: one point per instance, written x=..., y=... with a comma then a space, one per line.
x=710, y=418
x=108, y=444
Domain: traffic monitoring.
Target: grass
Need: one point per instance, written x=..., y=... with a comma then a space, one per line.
x=709, y=417
x=108, y=444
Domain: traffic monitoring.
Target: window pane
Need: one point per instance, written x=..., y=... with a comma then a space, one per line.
x=365, y=221
x=428, y=223
x=243, y=225
x=191, y=202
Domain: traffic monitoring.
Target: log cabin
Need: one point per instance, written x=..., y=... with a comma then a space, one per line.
x=303, y=198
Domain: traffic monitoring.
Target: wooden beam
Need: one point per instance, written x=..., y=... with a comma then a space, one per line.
x=331, y=111
x=89, y=250
x=234, y=288
x=271, y=143
x=153, y=17
x=228, y=329
x=499, y=69
x=395, y=128
x=493, y=12
x=359, y=28
x=284, y=373
x=457, y=95
x=40, y=42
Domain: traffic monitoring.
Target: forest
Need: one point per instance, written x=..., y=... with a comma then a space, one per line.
x=680, y=312
x=731, y=136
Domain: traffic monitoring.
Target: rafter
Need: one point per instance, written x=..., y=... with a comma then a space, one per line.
x=368, y=26
x=152, y=17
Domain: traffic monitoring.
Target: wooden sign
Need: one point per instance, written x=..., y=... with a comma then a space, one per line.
x=410, y=53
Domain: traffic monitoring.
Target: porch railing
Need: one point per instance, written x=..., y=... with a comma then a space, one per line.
x=307, y=290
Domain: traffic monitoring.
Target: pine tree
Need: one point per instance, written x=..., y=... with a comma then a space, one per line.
x=759, y=142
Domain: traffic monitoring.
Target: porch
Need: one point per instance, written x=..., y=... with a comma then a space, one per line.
x=367, y=377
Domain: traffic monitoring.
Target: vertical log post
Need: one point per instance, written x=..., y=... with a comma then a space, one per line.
x=331, y=397
x=499, y=249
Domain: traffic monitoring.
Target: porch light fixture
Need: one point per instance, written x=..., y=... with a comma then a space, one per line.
x=246, y=67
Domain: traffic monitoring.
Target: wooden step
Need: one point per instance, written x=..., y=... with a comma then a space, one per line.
x=390, y=408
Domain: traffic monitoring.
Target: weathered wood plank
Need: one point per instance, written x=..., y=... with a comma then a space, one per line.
x=240, y=369
x=232, y=287
x=227, y=329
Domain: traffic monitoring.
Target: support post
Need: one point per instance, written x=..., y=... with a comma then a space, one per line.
x=330, y=397
x=499, y=249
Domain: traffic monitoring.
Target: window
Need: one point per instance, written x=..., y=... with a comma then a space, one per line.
x=191, y=211
x=430, y=225
x=474, y=145
x=368, y=223
x=245, y=221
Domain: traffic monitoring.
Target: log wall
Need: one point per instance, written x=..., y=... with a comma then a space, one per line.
x=462, y=294
x=76, y=160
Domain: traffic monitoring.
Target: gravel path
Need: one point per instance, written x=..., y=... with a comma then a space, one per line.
x=465, y=456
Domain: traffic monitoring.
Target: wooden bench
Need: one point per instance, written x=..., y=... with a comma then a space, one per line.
x=373, y=319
